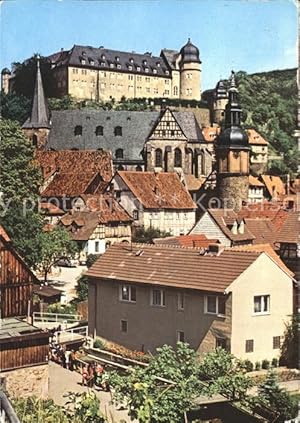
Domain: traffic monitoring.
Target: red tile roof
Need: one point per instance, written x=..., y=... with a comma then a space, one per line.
x=210, y=133
x=265, y=248
x=186, y=241
x=263, y=230
x=74, y=184
x=225, y=218
x=255, y=182
x=255, y=138
x=158, y=190
x=290, y=230
x=4, y=234
x=179, y=267
x=265, y=210
x=69, y=161
x=274, y=185
x=51, y=209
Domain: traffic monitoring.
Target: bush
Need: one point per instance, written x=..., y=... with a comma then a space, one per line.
x=98, y=343
x=275, y=362
x=265, y=364
x=257, y=365
x=248, y=365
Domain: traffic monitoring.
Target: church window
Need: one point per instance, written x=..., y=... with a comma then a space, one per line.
x=78, y=130
x=118, y=131
x=177, y=158
x=158, y=157
x=119, y=153
x=99, y=130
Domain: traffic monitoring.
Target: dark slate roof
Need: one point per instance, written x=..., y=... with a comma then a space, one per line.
x=188, y=123
x=170, y=56
x=136, y=127
x=102, y=58
x=39, y=117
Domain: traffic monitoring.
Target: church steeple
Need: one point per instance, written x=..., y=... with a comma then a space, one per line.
x=232, y=151
x=37, y=126
x=39, y=117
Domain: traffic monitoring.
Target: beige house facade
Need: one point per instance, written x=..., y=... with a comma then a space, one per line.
x=184, y=296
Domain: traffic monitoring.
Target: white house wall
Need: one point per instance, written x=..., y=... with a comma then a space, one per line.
x=207, y=226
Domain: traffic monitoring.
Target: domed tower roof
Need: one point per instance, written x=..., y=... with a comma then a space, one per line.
x=5, y=71
x=190, y=53
x=220, y=90
x=233, y=135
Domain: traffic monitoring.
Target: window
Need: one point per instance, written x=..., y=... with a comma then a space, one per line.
x=221, y=343
x=180, y=301
x=119, y=153
x=135, y=215
x=175, y=90
x=158, y=157
x=276, y=342
x=249, y=346
x=99, y=130
x=78, y=130
x=180, y=336
x=261, y=304
x=158, y=297
x=96, y=246
x=34, y=140
x=215, y=305
x=118, y=131
x=124, y=326
x=177, y=158
x=128, y=293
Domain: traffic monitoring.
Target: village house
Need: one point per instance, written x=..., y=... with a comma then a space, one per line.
x=274, y=187
x=231, y=299
x=256, y=190
x=23, y=347
x=95, y=223
x=155, y=200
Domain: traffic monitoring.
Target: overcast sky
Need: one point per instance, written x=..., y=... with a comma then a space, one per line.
x=249, y=35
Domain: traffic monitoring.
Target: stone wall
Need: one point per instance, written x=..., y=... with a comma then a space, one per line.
x=27, y=381
x=233, y=190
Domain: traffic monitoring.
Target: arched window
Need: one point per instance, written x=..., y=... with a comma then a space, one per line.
x=158, y=157
x=119, y=153
x=99, y=130
x=78, y=130
x=34, y=140
x=118, y=131
x=177, y=158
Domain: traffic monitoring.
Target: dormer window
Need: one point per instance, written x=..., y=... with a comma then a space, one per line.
x=167, y=72
x=118, y=66
x=92, y=62
x=102, y=64
x=144, y=62
x=138, y=68
x=242, y=227
x=83, y=61
x=118, y=131
x=103, y=56
x=146, y=70
x=154, y=71
x=99, y=130
x=84, y=53
x=117, y=58
x=234, y=228
x=111, y=65
x=158, y=64
x=130, y=67
x=131, y=60
x=78, y=130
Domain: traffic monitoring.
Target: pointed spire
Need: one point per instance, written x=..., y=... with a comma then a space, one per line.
x=39, y=117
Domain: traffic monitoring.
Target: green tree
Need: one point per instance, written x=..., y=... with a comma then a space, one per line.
x=20, y=179
x=54, y=246
x=15, y=107
x=147, y=235
x=82, y=283
x=290, y=353
x=277, y=398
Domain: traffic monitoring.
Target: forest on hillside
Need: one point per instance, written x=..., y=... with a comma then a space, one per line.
x=269, y=102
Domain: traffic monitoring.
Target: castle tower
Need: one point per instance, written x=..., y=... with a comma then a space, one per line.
x=190, y=72
x=5, y=76
x=220, y=102
x=232, y=152
x=37, y=126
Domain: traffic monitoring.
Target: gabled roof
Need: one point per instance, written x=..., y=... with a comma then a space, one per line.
x=192, y=183
x=264, y=248
x=74, y=184
x=158, y=190
x=51, y=209
x=186, y=241
x=189, y=125
x=263, y=230
x=81, y=224
x=265, y=210
x=255, y=138
x=290, y=230
x=136, y=127
x=178, y=267
x=274, y=185
x=225, y=218
x=69, y=161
